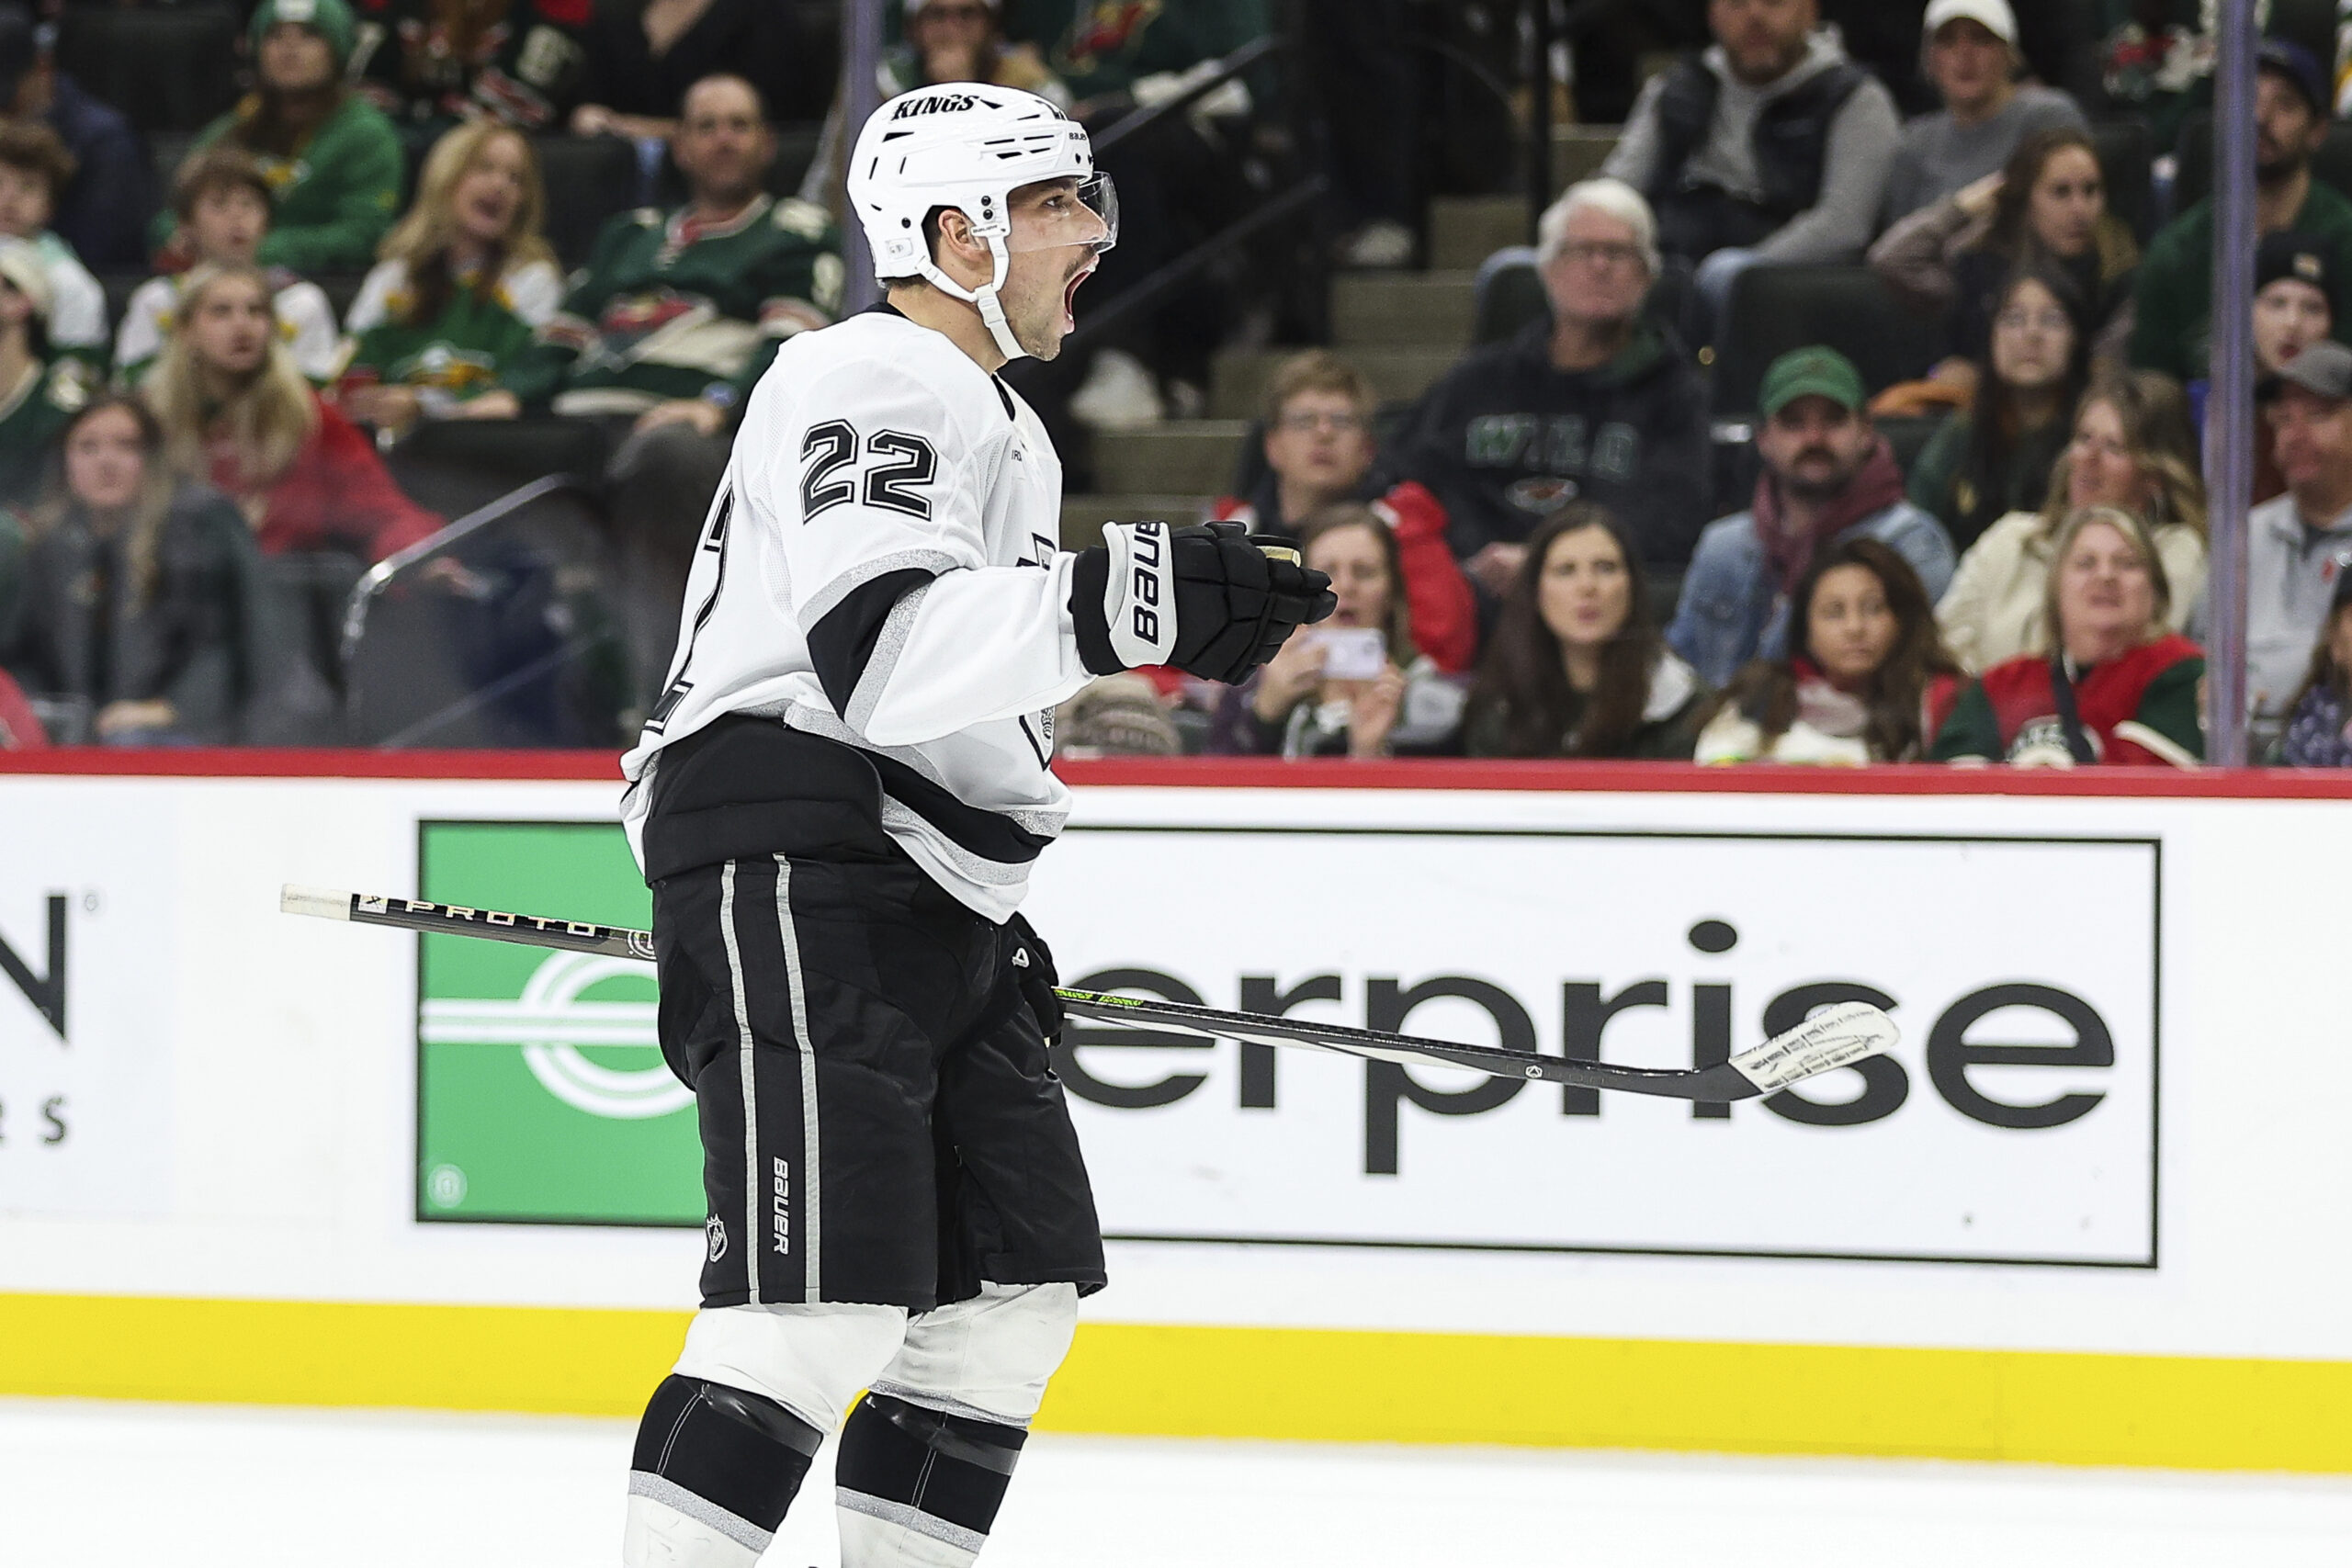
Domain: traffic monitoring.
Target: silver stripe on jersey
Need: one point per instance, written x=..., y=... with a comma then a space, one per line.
x=828, y=598
x=701, y=1510
x=752, y=1186
x=896, y=626
x=900, y=818
x=813, y=720
x=801, y=1046
x=912, y=1519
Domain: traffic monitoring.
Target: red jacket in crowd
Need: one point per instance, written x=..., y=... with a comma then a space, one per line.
x=334, y=492
x=1445, y=617
x=2014, y=709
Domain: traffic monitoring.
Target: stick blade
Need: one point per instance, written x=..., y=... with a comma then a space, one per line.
x=324, y=903
x=1835, y=1037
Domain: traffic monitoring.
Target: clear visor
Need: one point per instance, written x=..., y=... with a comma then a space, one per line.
x=1065, y=213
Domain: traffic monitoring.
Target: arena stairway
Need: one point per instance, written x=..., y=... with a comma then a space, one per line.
x=1402, y=329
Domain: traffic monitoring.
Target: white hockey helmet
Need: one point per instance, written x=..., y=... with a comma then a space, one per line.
x=967, y=145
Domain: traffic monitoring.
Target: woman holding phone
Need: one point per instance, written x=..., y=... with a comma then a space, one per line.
x=1353, y=685
x=1577, y=667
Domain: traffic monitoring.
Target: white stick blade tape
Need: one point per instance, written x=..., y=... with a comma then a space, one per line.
x=1833, y=1037
x=323, y=902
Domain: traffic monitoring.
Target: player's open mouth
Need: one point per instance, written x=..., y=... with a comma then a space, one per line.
x=1069, y=297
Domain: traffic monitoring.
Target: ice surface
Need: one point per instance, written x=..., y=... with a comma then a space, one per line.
x=121, y=1486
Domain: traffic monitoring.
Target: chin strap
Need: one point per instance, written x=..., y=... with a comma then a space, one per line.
x=984, y=298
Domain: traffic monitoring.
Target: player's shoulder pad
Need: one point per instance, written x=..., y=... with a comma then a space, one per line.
x=881, y=372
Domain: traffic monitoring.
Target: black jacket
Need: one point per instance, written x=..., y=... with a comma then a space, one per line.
x=79, y=631
x=102, y=211
x=1506, y=439
x=1791, y=141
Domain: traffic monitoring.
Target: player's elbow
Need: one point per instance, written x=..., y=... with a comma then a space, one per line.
x=855, y=644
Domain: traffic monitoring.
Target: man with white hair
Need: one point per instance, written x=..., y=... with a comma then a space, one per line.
x=1597, y=403
x=1970, y=52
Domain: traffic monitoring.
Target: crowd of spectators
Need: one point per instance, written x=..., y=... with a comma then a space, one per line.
x=386, y=160
x=1572, y=545
x=2019, y=582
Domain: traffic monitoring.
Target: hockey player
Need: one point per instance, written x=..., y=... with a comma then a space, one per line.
x=836, y=802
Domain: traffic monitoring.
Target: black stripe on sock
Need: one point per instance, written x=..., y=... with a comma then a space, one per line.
x=951, y=1467
x=738, y=1450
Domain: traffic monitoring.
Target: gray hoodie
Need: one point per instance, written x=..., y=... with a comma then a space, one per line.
x=2291, y=572
x=1863, y=140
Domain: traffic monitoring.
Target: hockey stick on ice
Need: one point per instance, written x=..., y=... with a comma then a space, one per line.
x=1835, y=1037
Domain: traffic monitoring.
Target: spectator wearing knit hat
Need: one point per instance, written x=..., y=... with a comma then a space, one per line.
x=2172, y=328
x=2296, y=279
x=36, y=396
x=332, y=159
x=1828, y=476
x=1971, y=53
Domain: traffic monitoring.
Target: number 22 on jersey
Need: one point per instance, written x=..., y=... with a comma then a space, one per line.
x=898, y=466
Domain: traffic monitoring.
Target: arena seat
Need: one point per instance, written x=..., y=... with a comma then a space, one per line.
x=1776, y=308
x=298, y=691
x=456, y=465
x=170, y=150
x=121, y=284
x=588, y=179
x=2126, y=151
x=174, y=69
x=340, y=289
x=529, y=655
x=1908, y=435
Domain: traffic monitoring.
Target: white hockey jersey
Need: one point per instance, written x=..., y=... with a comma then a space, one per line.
x=881, y=567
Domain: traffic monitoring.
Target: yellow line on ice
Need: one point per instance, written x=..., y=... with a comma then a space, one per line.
x=2183, y=1412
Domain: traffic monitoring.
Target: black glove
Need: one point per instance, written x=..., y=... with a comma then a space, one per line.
x=1203, y=598
x=1032, y=968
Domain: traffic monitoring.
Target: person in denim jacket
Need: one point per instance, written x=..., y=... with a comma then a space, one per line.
x=1828, y=476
